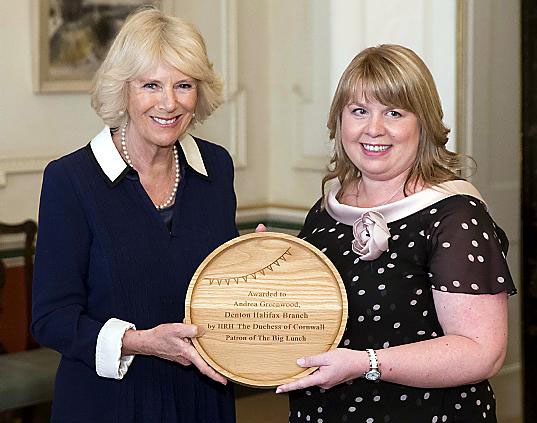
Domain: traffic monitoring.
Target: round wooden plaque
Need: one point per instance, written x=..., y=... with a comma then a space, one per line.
x=265, y=300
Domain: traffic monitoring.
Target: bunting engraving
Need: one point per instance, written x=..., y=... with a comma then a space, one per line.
x=253, y=275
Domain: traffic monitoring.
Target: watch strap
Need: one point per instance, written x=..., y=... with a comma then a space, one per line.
x=373, y=360
x=373, y=374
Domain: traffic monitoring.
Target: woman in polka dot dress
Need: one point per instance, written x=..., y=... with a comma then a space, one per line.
x=422, y=260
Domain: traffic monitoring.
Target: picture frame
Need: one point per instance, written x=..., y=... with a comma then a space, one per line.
x=72, y=37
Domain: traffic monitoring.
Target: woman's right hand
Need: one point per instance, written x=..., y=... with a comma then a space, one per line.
x=170, y=341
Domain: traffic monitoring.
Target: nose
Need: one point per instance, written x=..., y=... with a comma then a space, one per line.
x=168, y=101
x=375, y=127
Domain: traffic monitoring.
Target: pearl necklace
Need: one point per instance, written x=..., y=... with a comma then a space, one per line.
x=385, y=202
x=170, y=199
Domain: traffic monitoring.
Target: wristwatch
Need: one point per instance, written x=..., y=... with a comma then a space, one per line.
x=374, y=373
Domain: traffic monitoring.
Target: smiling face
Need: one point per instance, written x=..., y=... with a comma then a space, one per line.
x=381, y=141
x=161, y=103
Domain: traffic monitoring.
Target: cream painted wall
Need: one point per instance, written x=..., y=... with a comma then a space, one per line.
x=40, y=127
x=36, y=127
x=280, y=69
x=281, y=59
x=311, y=43
x=490, y=132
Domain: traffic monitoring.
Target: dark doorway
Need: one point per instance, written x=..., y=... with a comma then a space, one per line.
x=529, y=206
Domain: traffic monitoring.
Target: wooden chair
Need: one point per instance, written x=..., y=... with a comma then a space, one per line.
x=2, y=283
x=28, y=231
x=26, y=377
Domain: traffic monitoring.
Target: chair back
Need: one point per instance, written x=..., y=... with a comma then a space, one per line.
x=28, y=230
x=2, y=280
x=2, y=283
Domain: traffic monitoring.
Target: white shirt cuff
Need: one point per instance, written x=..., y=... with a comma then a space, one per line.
x=108, y=360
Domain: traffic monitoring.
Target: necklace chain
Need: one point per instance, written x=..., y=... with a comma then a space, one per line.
x=383, y=203
x=170, y=199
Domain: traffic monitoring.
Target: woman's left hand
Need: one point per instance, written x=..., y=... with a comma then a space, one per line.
x=335, y=367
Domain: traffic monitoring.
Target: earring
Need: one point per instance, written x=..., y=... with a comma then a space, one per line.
x=121, y=112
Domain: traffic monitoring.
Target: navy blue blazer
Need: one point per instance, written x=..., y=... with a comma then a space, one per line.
x=104, y=251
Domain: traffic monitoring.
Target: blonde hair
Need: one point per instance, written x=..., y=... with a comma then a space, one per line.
x=147, y=38
x=394, y=76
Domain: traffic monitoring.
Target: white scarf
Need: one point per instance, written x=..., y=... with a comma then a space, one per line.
x=370, y=225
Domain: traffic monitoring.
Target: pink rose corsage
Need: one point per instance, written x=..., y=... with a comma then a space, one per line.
x=371, y=235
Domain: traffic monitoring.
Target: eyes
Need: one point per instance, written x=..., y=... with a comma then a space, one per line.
x=358, y=111
x=362, y=112
x=183, y=85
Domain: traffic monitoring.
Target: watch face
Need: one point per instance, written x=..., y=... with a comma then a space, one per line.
x=372, y=375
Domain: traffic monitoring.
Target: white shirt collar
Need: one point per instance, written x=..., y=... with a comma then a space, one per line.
x=193, y=154
x=113, y=165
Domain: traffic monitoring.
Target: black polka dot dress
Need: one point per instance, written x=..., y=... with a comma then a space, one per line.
x=452, y=245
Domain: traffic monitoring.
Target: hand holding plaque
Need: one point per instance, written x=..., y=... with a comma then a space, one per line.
x=265, y=300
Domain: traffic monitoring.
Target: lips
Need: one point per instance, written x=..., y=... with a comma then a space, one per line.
x=375, y=148
x=163, y=121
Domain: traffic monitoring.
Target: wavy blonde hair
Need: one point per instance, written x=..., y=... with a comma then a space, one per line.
x=396, y=77
x=147, y=38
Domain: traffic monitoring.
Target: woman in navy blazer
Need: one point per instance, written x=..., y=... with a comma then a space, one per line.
x=123, y=224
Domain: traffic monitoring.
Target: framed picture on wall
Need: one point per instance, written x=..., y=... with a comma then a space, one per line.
x=72, y=38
